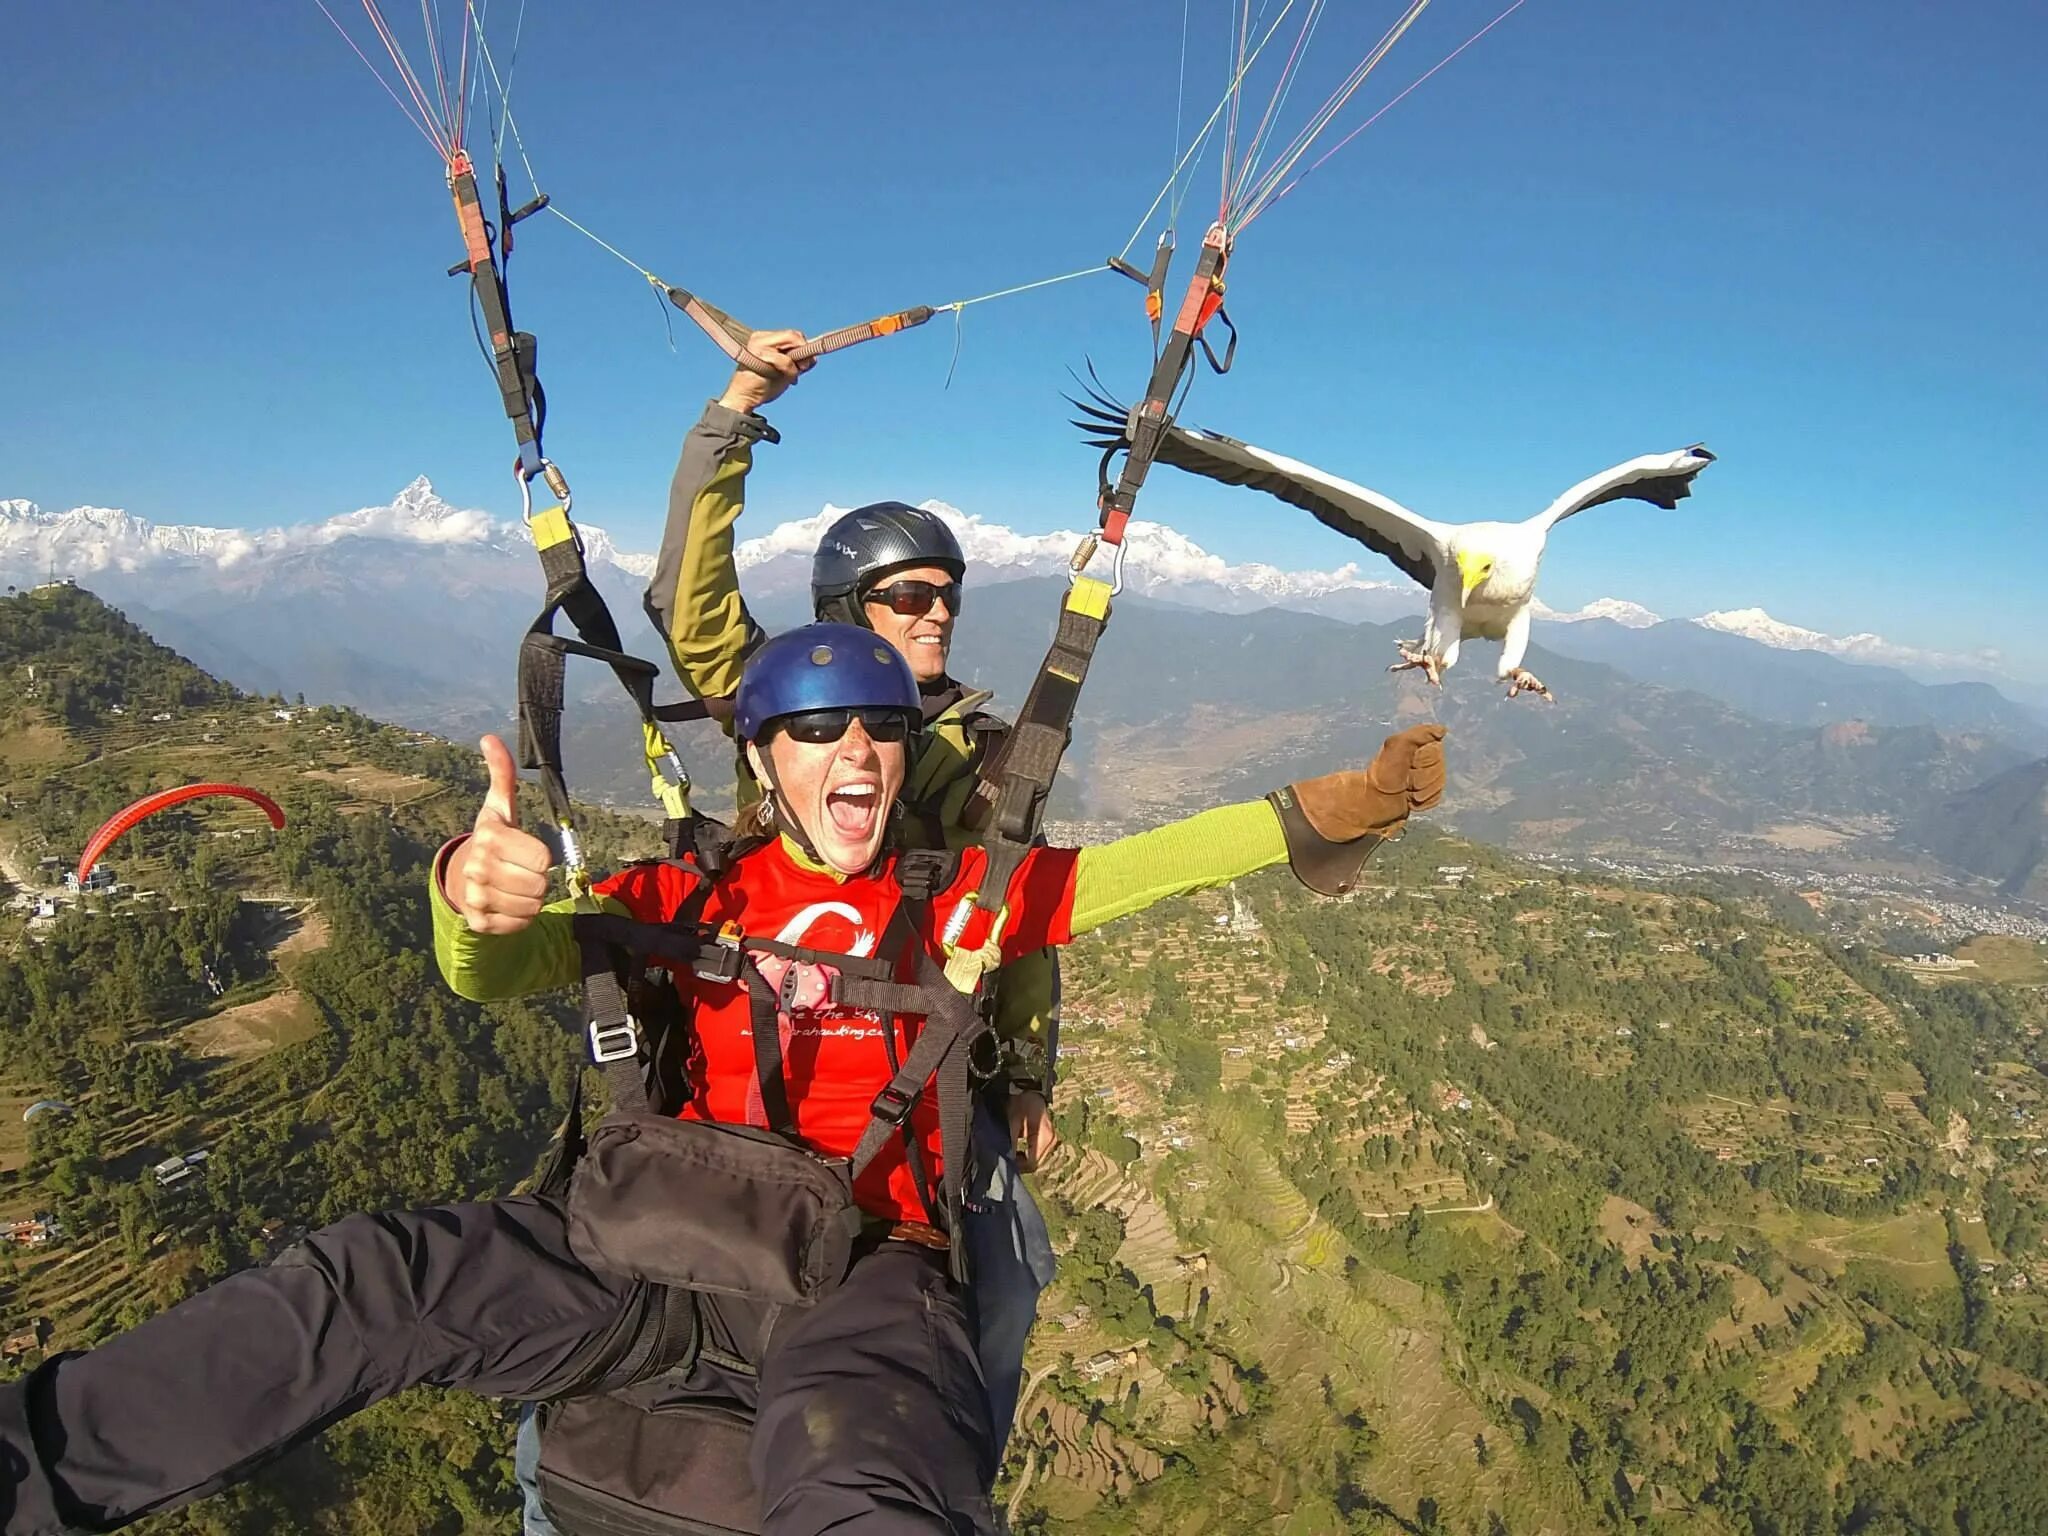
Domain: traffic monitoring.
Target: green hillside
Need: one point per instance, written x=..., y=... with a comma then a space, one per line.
x=1516, y=1203
x=1489, y=1200
x=269, y=999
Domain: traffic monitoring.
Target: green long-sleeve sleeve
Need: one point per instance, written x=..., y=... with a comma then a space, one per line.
x=1211, y=848
x=694, y=597
x=484, y=966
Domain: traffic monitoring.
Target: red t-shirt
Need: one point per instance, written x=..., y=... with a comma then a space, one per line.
x=834, y=1059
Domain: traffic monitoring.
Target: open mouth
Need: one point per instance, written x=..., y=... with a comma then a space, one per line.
x=853, y=808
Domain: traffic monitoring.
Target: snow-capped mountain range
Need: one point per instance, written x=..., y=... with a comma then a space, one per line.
x=88, y=540
x=1755, y=624
x=1163, y=563
x=172, y=578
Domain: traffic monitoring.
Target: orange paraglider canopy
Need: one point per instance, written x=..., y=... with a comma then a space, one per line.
x=121, y=821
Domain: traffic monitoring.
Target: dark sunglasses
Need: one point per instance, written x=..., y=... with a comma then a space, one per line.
x=912, y=598
x=818, y=726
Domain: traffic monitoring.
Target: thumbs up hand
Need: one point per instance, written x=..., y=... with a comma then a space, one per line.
x=498, y=877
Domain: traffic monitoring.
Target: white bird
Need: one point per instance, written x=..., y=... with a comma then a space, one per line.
x=1481, y=576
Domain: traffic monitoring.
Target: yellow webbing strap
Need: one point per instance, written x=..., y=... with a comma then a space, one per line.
x=966, y=967
x=551, y=527
x=674, y=796
x=1089, y=598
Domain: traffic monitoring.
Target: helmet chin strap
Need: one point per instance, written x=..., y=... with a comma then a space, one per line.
x=786, y=821
x=844, y=610
x=789, y=826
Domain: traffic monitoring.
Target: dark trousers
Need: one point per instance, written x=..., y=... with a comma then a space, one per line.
x=871, y=1413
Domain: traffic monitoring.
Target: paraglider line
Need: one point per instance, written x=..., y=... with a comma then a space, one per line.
x=409, y=77
x=476, y=81
x=1382, y=112
x=1202, y=136
x=1327, y=112
x=959, y=336
x=606, y=244
x=1180, y=92
x=1004, y=293
x=462, y=86
x=503, y=82
x=430, y=23
x=959, y=307
x=1271, y=117
x=412, y=117
x=1239, y=37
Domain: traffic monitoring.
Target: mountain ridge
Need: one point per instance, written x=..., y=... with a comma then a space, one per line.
x=35, y=544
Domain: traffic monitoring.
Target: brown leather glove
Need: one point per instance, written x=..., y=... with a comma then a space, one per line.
x=1333, y=823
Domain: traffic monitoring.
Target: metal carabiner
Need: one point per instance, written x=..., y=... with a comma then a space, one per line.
x=557, y=482
x=1084, y=556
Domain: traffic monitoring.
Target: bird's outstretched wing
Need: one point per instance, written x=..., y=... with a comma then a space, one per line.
x=1662, y=479
x=1413, y=543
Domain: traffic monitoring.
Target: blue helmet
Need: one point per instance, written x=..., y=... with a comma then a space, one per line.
x=822, y=666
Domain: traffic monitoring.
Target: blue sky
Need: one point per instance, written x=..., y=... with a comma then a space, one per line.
x=1807, y=234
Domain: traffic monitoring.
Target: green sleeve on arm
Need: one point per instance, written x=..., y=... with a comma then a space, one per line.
x=1133, y=873
x=694, y=595
x=485, y=966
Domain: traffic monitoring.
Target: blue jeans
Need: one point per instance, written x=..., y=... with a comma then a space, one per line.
x=526, y=1464
x=1011, y=1256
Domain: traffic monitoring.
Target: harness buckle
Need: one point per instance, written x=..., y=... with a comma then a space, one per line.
x=892, y=1105
x=956, y=924
x=572, y=850
x=786, y=994
x=719, y=961
x=614, y=1042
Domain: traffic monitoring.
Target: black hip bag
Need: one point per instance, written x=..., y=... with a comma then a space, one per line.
x=709, y=1207
x=750, y=1211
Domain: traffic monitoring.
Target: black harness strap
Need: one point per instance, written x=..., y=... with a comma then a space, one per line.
x=684, y=710
x=939, y=1055
x=487, y=253
x=616, y=1042
x=892, y=1000
x=764, y=1023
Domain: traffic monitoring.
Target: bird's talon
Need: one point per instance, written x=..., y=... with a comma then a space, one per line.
x=1414, y=660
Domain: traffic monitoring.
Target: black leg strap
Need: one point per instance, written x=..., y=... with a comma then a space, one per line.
x=616, y=1043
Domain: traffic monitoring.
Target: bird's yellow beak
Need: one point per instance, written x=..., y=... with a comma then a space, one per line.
x=1472, y=570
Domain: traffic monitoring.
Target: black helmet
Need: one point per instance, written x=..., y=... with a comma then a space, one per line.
x=871, y=541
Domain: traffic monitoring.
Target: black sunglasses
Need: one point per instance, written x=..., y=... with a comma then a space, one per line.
x=912, y=598
x=818, y=726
